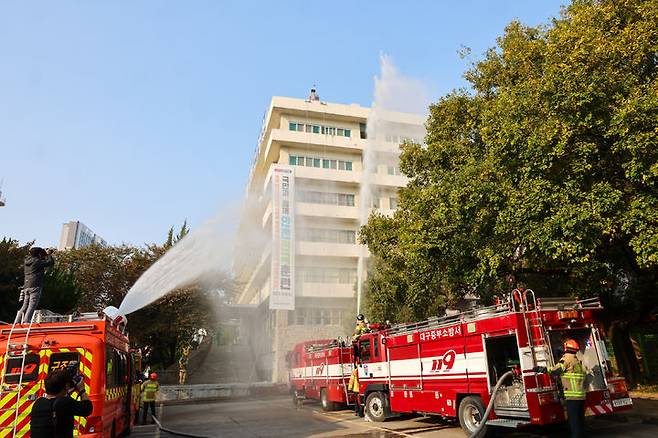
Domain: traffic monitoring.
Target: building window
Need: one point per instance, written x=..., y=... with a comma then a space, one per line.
x=326, y=235
x=375, y=203
x=319, y=129
x=393, y=203
x=393, y=170
x=316, y=274
x=297, y=160
x=363, y=133
x=328, y=198
x=315, y=316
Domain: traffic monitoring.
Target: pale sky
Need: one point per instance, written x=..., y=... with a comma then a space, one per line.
x=132, y=116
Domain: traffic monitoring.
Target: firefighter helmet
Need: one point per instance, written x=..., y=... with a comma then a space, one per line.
x=571, y=346
x=360, y=317
x=154, y=376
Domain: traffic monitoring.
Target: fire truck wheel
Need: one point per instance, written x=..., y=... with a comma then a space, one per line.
x=377, y=408
x=327, y=405
x=471, y=410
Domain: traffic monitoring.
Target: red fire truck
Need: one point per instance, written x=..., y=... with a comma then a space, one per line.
x=320, y=370
x=448, y=366
x=99, y=346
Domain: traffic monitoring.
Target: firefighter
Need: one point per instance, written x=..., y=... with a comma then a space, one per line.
x=353, y=386
x=149, y=392
x=35, y=264
x=572, y=376
x=182, y=365
x=361, y=327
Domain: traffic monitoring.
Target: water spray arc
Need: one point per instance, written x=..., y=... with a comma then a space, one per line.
x=391, y=121
x=200, y=258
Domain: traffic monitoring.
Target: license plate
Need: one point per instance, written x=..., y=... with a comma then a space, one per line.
x=622, y=402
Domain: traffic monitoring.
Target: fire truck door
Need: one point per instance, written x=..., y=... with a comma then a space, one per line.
x=405, y=367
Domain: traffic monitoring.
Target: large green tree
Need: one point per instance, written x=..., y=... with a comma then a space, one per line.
x=542, y=174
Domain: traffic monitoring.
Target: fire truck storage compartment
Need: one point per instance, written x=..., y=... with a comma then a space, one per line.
x=591, y=358
x=502, y=355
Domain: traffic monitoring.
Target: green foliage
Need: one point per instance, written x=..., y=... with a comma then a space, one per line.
x=543, y=175
x=94, y=277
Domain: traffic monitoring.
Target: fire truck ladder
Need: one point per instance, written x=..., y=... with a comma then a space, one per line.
x=16, y=389
x=538, y=341
x=342, y=375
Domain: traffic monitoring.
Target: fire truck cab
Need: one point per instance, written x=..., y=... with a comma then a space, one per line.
x=449, y=366
x=29, y=352
x=320, y=370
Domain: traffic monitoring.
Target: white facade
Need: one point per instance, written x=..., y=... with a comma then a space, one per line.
x=322, y=144
x=75, y=234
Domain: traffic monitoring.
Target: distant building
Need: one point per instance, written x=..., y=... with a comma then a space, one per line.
x=75, y=234
x=2, y=200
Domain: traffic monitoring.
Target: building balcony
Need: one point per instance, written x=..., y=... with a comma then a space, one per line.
x=326, y=211
x=323, y=249
x=324, y=290
x=321, y=141
x=329, y=175
x=379, y=179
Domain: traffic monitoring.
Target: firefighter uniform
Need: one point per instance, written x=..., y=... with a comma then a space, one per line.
x=149, y=392
x=353, y=386
x=572, y=376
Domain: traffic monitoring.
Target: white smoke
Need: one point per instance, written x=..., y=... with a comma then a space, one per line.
x=386, y=129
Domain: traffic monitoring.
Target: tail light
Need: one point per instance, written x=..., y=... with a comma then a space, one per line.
x=547, y=398
x=617, y=386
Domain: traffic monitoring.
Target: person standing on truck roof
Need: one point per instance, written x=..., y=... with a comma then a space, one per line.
x=572, y=376
x=52, y=415
x=361, y=327
x=150, y=390
x=34, y=266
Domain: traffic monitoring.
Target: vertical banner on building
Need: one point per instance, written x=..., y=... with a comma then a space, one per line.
x=282, y=296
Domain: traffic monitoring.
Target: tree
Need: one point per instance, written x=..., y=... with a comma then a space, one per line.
x=543, y=174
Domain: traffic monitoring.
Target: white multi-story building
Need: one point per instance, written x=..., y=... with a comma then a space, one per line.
x=298, y=257
x=75, y=234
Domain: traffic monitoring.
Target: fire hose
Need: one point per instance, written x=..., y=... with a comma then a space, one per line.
x=487, y=412
x=175, y=432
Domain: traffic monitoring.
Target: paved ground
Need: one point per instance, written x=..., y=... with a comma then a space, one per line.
x=276, y=417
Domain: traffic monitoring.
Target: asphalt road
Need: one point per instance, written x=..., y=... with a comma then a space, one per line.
x=278, y=418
